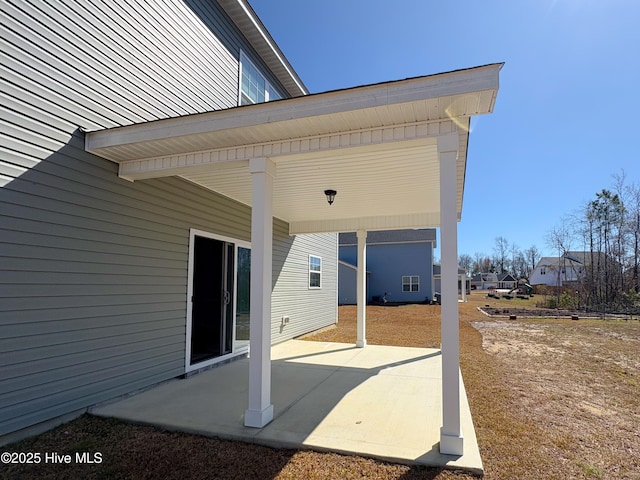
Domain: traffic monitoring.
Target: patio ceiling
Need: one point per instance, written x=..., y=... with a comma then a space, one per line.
x=376, y=145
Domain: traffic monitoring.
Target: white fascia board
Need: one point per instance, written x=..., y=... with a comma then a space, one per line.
x=245, y=18
x=262, y=32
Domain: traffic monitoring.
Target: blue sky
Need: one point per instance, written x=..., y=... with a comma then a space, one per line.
x=565, y=119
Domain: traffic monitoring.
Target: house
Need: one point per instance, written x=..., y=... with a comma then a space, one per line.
x=164, y=167
x=399, y=266
x=507, y=281
x=559, y=271
x=484, y=281
x=462, y=277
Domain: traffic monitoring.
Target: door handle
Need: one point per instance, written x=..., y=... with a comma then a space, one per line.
x=227, y=297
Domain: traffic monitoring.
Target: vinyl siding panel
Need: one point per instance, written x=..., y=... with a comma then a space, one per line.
x=89, y=64
x=308, y=309
x=118, y=55
x=86, y=308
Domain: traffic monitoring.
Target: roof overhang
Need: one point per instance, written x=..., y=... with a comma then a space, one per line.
x=376, y=145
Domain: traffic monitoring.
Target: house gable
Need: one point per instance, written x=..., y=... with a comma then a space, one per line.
x=558, y=271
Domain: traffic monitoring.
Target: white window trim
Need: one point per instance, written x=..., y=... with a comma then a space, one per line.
x=314, y=271
x=411, y=283
x=267, y=84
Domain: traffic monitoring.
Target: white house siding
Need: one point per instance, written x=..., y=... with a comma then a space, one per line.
x=93, y=288
x=94, y=268
x=554, y=276
x=307, y=309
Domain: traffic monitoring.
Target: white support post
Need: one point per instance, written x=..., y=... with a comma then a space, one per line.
x=260, y=411
x=463, y=287
x=433, y=280
x=451, y=441
x=361, y=289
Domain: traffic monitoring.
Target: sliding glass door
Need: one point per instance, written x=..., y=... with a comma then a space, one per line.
x=219, y=314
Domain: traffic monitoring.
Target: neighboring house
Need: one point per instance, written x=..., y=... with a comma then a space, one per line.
x=483, y=281
x=109, y=285
x=507, y=281
x=399, y=266
x=462, y=276
x=559, y=271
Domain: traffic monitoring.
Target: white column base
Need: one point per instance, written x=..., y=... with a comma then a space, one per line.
x=361, y=343
x=451, y=444
x=258, y=418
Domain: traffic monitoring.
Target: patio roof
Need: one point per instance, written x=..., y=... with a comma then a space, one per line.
x=395, y=152
x=376, y=145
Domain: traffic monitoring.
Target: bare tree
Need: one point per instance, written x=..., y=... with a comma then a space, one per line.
x=487, y=266
x=621, y=231
x=478, y=263
x=633, y=225
x=603, y=215
x=519, y=265
x=501, y=252
x=532, y=257
x=559, y=238
x=516, y=262
x=465, y=261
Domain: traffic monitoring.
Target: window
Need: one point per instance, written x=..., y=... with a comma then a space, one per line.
x=254, y=88
x=411, y=283
x=543, y=271
x=315, y=271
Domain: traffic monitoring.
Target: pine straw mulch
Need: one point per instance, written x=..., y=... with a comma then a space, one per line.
x=550, y=398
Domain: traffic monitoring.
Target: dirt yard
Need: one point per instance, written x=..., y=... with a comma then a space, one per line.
x=550, y=399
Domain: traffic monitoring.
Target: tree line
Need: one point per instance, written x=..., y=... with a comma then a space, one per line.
x=506, y=258
x=605, y=228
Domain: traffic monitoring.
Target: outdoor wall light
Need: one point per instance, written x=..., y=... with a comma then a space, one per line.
x=331, y=195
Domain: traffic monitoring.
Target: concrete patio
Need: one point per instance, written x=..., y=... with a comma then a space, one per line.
x=379, y=401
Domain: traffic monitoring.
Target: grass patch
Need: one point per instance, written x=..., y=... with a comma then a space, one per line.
x=591, y=471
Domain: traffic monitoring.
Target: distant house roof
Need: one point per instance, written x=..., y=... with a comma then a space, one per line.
x=580, y=257
x=506, y=277
x=586, y=258
x=575, y=260
x=425, y=235
x=568, y=260
x=485, y=277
